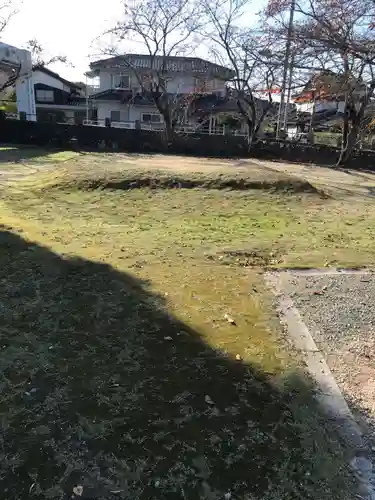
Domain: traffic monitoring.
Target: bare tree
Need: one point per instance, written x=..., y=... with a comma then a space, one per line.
x=163, y=29
x=7, y=11
x=339, y=32
x=40, y=57
x=247, y=52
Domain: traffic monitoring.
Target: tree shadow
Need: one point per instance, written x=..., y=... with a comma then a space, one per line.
x=102, y=388
x=18, y=154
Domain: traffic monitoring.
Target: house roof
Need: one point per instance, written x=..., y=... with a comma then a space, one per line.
x=123, y=96
x=171, y=64
x=47, y=71
x=215, y=104
x=203, y=104
x=328, y=85
x=324, y=117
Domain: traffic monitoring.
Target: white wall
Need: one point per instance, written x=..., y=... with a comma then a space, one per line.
x=128, y=113
x=24, y=85
x=105, y=80
x=305, y=107
x=41, y=77
x=320, y=106
x=137, y=111
x=105, y=108
x=25, y=98
x=182, y=83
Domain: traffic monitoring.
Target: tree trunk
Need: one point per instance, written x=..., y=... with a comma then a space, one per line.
x=344, y=140
x=249, y=123
x=168, y=133
x=168, y=127
x=311, y=127
x=350, y=135
x=347, y=150
x=164, y=109
x=250, y=133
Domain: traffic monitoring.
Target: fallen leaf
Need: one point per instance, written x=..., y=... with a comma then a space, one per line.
x=320, y=292
x=208, y=400
x=229, y=319
x=78, y=490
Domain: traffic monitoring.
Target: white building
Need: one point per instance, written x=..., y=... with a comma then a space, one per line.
x=120, y=98
x=325, y=92
x=57, y=99
x=320, y=106
x=16, y=69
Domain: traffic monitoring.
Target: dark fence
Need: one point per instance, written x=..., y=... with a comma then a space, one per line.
x=142, y=141
x=115, y=139
x=320, y=154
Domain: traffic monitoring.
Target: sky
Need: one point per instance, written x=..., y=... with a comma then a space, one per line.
x=69, y=28
x=63, y=28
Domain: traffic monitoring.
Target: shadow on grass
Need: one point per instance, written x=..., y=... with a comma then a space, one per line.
x=101, y=387
x=27, y=154
x=15, y=154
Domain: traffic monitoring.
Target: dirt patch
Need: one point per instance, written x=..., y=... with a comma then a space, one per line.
x=246, y=258
x=336, y=182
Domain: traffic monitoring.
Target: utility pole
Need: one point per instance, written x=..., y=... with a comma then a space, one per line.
x=286, y=66
x=290, y=81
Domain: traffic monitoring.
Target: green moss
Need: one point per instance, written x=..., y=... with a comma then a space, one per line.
x=113, y=310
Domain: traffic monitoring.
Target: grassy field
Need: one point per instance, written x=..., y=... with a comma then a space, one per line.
x=121, y=374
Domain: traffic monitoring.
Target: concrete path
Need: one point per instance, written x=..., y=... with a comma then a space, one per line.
x=305, y=322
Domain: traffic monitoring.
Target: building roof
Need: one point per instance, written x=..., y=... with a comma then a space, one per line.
x=215, y=104
x=203, y=104
x=171, y=63
x=47, y=71
x=328, y=85
x=123, y=96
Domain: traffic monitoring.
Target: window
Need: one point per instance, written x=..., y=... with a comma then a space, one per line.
x=151, y=118
x=120, y=81
x=115, y=116
x=44, y=95
x=79, y=116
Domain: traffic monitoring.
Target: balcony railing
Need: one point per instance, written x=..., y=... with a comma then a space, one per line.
x=92, y=89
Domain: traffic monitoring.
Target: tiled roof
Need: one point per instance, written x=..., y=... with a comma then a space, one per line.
x=171, y=64
x=123, y=96
x=203, y=104
x=322, y=117
x=328, y=86
x=226, y=104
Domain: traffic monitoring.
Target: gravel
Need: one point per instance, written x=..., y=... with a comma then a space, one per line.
x=339, y=311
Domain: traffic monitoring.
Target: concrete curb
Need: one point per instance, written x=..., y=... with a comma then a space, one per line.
x=328, y=394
